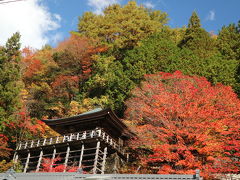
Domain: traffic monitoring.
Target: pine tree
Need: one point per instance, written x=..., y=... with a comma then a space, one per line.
x=194, y=21
x=228, y=41
x=10, y=80
x=197, y=39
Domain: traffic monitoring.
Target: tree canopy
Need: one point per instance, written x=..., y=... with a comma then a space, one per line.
x=184, y=123
x=184, y=120
x=122, y=26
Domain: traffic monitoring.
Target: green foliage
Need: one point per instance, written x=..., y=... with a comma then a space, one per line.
x=194, y=21
x=197, y=39
x=109, y=82
x=160, y=53
x=10, y=80
x=122, y=27
x=154, y=54
x=228, y=41
x=103, y=62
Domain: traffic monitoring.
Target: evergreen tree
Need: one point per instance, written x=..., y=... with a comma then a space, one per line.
x=160, y=53
x=228, y=41
x=10, y=80
x=197, y=39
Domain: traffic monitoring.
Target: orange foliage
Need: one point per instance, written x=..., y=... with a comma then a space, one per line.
x=65, y=86
x=31, y=64
x=4, y=150
x=82, y=49
x=184, y=123
x=49, y=165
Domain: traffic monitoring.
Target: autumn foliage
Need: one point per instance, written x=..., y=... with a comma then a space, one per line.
x=78, y=52
x=49, y=165
x=184, y=123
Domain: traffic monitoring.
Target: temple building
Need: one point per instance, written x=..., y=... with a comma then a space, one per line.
x=92, y=141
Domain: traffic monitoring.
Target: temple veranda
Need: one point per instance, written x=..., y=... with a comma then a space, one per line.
x=88, y=141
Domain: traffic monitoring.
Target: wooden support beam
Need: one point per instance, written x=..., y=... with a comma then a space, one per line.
x=50, y=141
x=39, y=161
x=57, y=140
x=38, y=142
x=20, y=145
x=53, y=157
x=81, y=156
x=44, y=141
x=32, y=143
x=104, y=160
x=84, y=136
x=15, y=159
x=96, y=158
x=14, y=156
x=66, y=158
x=99, y=131
x=26, y=145
x=26, y=164
x=77, y=136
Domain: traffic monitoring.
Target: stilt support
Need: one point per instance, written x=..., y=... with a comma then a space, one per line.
x=96, y=158
x=53, y=157
x=81, y=156
x=104, y=160
x=26, y=164
x=66, y=158
x=39, y=161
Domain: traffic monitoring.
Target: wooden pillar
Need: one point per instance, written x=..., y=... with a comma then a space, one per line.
x=57, y=140
x=53, y=157
x=66, y=158
x=26, y=145
x=77, y=136
x=20, y=145
x=26, y=164
x=104, y=160
x=38, y=142
x=50, y=141
x=81, y=157
x=15, y=156
x=44, y=141
x=32, y=143
x=15, y=159
x=39, y=161
x=96, y=158
x=99, y=130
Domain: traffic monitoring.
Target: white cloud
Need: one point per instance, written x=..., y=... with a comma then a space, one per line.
x=32, y=19
x=99, y=5
x=56, y=37
x=211, y=16
x=148, y=5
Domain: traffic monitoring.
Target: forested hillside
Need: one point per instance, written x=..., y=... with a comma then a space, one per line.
x=177, y=89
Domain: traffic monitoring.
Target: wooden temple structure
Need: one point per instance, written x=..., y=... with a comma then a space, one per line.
x=87, y=141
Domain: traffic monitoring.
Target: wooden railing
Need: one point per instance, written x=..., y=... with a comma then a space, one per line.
x=96, y=133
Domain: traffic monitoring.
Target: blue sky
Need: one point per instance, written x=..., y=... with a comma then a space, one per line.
x=50, y=21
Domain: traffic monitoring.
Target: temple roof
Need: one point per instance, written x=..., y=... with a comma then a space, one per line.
x=102, y=118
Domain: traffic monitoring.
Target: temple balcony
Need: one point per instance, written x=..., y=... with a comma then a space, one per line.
x=94, y=141
x=71, y=137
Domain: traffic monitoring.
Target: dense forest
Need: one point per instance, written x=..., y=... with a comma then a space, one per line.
x=177, y=88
